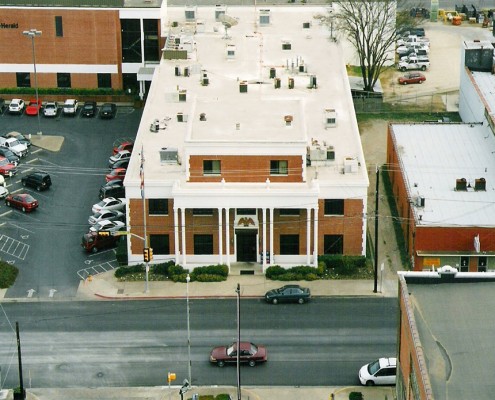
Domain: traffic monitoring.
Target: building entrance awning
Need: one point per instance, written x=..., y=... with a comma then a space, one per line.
x=145, y=73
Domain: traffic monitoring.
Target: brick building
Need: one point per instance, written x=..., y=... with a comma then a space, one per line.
x=106, y=44
x=442, y=176
x=444, y=338
x=250, y=143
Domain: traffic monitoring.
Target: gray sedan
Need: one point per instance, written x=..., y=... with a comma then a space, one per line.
x=109, y=215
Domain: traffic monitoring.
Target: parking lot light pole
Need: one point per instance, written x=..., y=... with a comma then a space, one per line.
x=32, y=34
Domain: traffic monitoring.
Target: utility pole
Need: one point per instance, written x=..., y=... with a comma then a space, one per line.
x=22, y=394
x=375, y=285
x=238, y=291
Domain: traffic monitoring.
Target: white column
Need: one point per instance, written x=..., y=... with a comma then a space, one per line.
x=263, y=251
x=220, y=235
x=183, y=231
x=308, y=236
x=315, y=232
x=176, y=234
x=227, y=236
x=272, y=261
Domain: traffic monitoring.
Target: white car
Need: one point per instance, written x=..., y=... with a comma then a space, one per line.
x=4, y=192
x=16, y=106
x=109, y=215
x=107, y=226
x=121, y=155
x=108, y=203
x=380, y=372
x=50, y=109
x=70, y=107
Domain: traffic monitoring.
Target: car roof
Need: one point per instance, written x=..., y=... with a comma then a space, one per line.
x=388, y=362
x=70, y=101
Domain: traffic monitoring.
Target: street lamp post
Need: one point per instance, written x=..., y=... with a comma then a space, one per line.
x=188, y=279
x=32, y=34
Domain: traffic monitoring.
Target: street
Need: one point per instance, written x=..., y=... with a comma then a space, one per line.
x=135, y=343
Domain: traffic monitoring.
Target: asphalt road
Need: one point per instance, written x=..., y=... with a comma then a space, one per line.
x=51, y=235
x=110, y=344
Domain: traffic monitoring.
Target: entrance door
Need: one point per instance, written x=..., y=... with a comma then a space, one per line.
x=246, y=246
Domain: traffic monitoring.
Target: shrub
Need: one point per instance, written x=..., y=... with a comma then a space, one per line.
x=343, y=265
x=274, y=271
x=210, y=278
x=322, y=268
x=219, y=269
x=128, y=270
x=162, y=268
x=356, y=396
x=174, y=270
x=121, y=253
x=182, y=277
x=8, y=274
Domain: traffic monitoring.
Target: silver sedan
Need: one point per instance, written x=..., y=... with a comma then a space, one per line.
x=110, y=215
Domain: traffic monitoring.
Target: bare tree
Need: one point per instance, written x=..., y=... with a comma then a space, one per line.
x=371, y=26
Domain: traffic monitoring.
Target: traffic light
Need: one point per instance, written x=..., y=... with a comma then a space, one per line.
x=146, y=254
x=103, y=233
x=150, y=253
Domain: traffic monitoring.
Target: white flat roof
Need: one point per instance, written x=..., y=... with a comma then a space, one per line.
x=234, y=122
x=433, y=157
x=485, y=83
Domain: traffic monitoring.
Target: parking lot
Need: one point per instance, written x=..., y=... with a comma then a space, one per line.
x=46, y=244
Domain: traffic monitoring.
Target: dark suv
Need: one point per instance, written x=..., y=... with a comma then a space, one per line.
x=112, y=189
x=37, y=180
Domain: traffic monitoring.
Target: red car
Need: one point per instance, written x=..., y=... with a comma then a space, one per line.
x=6, y=167
x=116, y=174
x=250, y=354
x=22, y=201
x=34, y=107
x=412, y=77
x=123, y=146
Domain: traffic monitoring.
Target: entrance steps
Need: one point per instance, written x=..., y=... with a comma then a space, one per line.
x=245, y=268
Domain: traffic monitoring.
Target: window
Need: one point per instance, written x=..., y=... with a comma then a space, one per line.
x=284, y=212
x=278, y=167
x=482, y=264
x=151, y=45
x=289, y=244
x=59, y=29
x=63, y=80
x=158, y=206
x=104, y=81
x=333, y=244
x=160, y=244
x=334, y=207
x=23, y=79
x=203, y=244
x=246, y=211
x=203, y=211
x=464, y=264
x=131, y=40
x=211, y=167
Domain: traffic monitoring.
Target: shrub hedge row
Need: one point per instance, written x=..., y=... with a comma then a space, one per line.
x=343, y=265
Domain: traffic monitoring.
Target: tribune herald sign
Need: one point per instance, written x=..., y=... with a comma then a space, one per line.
x=3, y=25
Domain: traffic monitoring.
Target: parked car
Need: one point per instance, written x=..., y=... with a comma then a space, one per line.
x=19, y=136
x=120, y=164
x=16, y=106
x=412, y=64
x=19, y=149
x=288, y=294
x=50, y=109
x=108, y=215
x=22, y=201
x=411, y=39
x=34, y=107
x=9, y=155
x=412, y=77
x=4, y=192
x=380, y=372
x=7, y=168
x=2, y=105
x=116, y=174
x=38, y=180
x=126, y=145
x=107, y=226
x=413, y=48
x=250, y=354
x=112, y=189
x=108, y=203
x=92, y=242
x=70, y=107
x=89, y=109
x=108, y=110
x=121, y=155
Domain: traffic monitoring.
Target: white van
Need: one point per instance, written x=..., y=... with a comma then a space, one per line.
x=380, y=372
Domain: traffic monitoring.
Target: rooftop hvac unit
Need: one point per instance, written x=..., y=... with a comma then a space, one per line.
x=461, y=184
x=321, y=153
x=420, y=201
x=168, y=155
x=330, y=117
x=480, y=184
x=350, y=165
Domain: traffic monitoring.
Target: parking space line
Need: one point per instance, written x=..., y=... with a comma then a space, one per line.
x=97, y=269
x=13, y=247
x=36, y=151
x=31, y=161
x=19, y=227
x=5, y=213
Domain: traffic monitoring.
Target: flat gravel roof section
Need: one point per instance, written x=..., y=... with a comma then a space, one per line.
x=455, y=323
